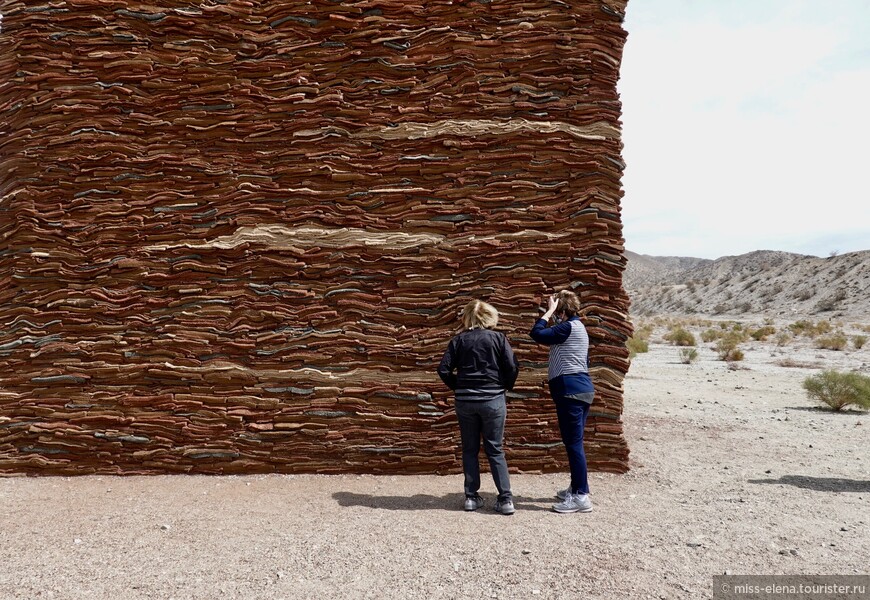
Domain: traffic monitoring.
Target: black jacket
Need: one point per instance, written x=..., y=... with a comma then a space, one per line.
x=483, y=360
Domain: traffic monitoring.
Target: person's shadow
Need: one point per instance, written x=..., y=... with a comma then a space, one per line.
x=451, y=502
x=819, y=484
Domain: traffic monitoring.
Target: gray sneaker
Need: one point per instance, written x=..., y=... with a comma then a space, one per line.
x=574, y=503
x=562, y=494
x=505, y=507
x=473, y=503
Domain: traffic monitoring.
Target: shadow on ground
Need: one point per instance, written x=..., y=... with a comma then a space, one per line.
x=451, y=502
x=819, y=484
x=828, y=411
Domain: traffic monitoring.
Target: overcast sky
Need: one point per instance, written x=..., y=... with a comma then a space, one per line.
x=746, y=126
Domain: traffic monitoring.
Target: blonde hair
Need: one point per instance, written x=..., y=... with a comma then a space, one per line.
x=479, y=314
x=569, y=303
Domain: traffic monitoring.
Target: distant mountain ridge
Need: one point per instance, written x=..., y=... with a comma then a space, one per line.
x=764, y=282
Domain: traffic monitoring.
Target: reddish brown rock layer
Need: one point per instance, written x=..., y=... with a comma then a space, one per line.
x=235, y=237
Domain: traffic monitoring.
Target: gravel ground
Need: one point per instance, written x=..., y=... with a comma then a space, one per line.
x=733, y=471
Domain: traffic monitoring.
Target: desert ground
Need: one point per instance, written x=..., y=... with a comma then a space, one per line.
x=733, y=471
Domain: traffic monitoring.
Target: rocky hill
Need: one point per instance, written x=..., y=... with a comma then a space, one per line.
x=776, y=284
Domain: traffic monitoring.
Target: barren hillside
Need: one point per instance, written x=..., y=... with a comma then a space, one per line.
x=762, y=282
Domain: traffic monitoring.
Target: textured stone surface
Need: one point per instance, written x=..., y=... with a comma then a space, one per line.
x=235, y=237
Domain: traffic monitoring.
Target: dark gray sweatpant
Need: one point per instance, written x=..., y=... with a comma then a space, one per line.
x=484, y=419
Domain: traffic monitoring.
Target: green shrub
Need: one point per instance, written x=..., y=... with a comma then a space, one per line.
x=710, y=335
x=688, y=355
x=858, y=341
x=680, y=337
x=801, y=327
x=835, y=341
x=727, y=346
x=838, y=390
x=762, y=333
x=636, y=345
x=810, y=329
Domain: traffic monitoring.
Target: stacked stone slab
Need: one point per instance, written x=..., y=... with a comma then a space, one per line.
x=235, y=237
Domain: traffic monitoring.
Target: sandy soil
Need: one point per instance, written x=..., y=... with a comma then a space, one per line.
x=734, y=471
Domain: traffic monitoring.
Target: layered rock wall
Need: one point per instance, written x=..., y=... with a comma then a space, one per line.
x=235, y=236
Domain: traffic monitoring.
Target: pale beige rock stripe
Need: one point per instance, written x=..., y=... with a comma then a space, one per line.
x=279, y=236
x=598, y=131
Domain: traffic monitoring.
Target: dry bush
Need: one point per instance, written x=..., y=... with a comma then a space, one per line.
x=804, y=294
x=678, y=336
x=688, y=355
x=797, y=364
x=831, y=302
x=834, y=341
x=727, y=347
x=711, y=335
x=858, y=341
x=783, y=338
x=762, y=333
x=810, y=329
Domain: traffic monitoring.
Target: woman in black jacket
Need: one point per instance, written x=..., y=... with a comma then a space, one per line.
x=485, y=368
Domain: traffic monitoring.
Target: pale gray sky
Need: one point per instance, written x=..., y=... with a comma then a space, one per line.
x=746, y=126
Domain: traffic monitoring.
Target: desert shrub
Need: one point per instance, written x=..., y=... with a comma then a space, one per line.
x=688, y=355
x=831, y=302
x=762, y=333
x=838, y=390
x=736, y=355
x=804, y=294
x=834, y=341
x=810, y=329
x=858, y=341
x=636, y=345
x=801, y=327
x=743, y=307
x=727, y=347
x=798, y=364
x=679, y=336
x=783, y=338
x=644, y=331
x=710, y=335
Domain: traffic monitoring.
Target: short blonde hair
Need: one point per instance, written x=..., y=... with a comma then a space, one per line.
x=479, y=314
x=569, y=303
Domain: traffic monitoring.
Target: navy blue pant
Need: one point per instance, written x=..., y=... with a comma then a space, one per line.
x=572, y=415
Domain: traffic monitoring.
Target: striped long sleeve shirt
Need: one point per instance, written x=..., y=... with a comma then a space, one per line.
x=568, y=367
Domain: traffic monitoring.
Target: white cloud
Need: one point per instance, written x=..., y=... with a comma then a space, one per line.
x=746, y=135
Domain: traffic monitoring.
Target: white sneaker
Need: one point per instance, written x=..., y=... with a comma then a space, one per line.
x=574, y=503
